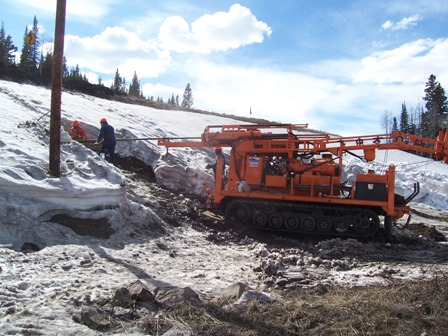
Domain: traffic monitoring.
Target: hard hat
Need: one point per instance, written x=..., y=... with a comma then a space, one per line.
x=216, y=149
x=76, y=123
x=103, y=120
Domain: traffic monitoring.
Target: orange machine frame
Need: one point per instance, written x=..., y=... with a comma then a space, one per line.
x=317, y=182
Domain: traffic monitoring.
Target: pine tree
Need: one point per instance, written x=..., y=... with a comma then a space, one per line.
x=435, y=116
x=404, y=119
x=30, y=55
x=34, y=48
x=7, y=48
x=394, y=125
x=117, y=85
x=26, y=63
x=172, y=100
x=187, y=102
x=47, y=66
x=2, y=44
x=65, y=72
x=134, y=87
x=29, y=58
x=75, y=72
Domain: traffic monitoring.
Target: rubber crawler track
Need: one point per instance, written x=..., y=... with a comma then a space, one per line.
x=304, y=218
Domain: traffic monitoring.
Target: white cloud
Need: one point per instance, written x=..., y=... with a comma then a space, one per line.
x=116, y=48
x=387, y=25
x=161, y=91
x=403, y=24
x=47, y=47
x=220, y=31
x=175, y=35
x=410, y=63
x=92, y=77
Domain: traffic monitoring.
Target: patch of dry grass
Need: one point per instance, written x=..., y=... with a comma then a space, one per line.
x=402, y=308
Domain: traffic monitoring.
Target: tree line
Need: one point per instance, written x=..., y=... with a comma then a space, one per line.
x=35, y=62
x=423, y=120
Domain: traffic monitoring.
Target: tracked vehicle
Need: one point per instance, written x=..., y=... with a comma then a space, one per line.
x=281, y=177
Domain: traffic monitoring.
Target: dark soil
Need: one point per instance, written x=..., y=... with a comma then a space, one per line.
x=137, y=167
x=98, y=228
x=430, y=232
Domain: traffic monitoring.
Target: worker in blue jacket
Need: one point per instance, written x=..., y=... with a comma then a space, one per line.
x=107, y=140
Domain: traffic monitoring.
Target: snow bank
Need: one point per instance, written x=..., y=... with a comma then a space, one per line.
x=87, y=182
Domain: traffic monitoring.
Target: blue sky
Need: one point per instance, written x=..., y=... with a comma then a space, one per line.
x=337, y=65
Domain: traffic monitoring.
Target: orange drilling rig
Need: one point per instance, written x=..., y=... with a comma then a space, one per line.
x=281, y=179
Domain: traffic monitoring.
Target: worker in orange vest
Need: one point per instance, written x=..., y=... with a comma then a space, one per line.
x=77, y=132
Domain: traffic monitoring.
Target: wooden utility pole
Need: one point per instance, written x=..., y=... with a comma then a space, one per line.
x=56, y=90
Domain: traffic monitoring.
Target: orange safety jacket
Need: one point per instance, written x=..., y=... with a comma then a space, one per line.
x=78, y=133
